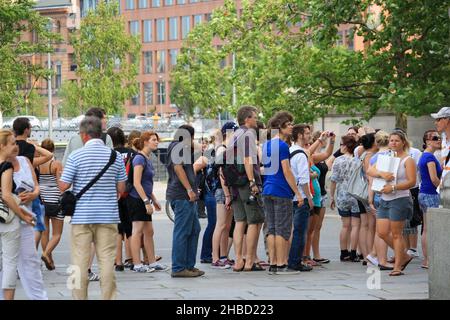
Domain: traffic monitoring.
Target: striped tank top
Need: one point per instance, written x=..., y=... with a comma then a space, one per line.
x=49, y=187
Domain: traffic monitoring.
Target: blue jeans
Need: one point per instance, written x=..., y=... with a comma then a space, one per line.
x=301, y=219
x=210, y=204
x=185, y=235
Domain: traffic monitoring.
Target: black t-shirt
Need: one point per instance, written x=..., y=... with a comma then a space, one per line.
x=26, y=149
x=337, y=154
x=322, y=166
x=125, y=152
x=4, y=166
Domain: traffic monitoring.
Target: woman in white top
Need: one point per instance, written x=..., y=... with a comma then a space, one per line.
x=9, y=232
x=29, y=264
x=396, y=203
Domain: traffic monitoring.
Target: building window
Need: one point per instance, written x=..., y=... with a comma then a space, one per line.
x=195, y=1
x=181, y=1
x=169, y=2
x=143, y=4
x=198, y=19
x=134, y=27
x=148, y=34
x=160, y=61
x=160, y=30
x=340, y=39
x=58, y=75
x=208, y=17
x=135, y=99
x=86, y=5
x=148, y=93
x=173, y=53
x=130, y=5
x=185, y=26
x=148, y=62
x=349, y=37
x=173, y=28
x=161, y=92
x=156, y=3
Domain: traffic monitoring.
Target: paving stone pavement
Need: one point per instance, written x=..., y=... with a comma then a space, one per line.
x=336, y=280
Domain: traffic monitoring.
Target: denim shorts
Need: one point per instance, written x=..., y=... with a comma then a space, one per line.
x=348, y=213
x=38, y=210
x=220, y=196
x=396, y=210
x=323, y=200
x=429, y=201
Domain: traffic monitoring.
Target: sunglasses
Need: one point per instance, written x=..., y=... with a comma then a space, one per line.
x=435, y=138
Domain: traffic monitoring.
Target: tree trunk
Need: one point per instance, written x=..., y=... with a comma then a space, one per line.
x=401, y=121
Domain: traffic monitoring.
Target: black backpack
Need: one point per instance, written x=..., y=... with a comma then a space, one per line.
x=233, y=170
x=129, y=184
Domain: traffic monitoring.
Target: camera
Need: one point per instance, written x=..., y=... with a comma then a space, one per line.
x=331, y=134
x=252, y=199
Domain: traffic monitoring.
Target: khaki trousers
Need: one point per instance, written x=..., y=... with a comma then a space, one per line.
x=104, y=238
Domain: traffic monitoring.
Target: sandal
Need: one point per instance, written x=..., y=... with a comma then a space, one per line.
x=406, y=264
x=157, y=258
x=239, y=269
x=396, y=273
x=322, y=260
x=255, y=267
x=424, y=266
x=48, y=263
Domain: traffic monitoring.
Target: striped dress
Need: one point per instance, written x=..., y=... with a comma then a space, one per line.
x=49, y=189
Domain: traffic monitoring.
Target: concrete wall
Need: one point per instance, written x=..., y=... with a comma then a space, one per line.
x=438, y=238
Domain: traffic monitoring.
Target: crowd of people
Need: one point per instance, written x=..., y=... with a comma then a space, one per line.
x=251, y=179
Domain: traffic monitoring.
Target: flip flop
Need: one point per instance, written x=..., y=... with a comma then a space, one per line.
x=396, y=273
x=424, y=266
x=322, y=260
x=255, y=267
x=157, y=258
x=239, y=269
x=385, y=268
x=48, y=263
x=406, y=264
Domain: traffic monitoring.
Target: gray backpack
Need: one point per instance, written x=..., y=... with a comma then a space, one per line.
x=358, y=185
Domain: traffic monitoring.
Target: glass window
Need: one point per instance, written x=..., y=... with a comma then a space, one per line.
x=148, y=62
x=58, y=76
x=156, y=3
x=161, y=92
x=169, y=2
x=173, y=28
x=143, y=4
x=135, y=99
x=208, y=17
x=340, y=39
x=160, y=61
x=181, y=1
x=148, y=93
x=160, y=30
x=134, y=27
x=185, y=26
x=148, y=34
x=129, y=4
x=86, y=5
x=198, y=19
x=173, y=53
x=195, y=1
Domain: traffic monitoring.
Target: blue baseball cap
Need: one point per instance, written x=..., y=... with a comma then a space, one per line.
x=229, y=126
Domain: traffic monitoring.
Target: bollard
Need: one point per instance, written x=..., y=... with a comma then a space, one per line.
x=438, y=240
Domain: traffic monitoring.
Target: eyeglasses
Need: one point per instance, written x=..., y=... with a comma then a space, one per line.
x=439, y=119
x=342, y=144
x=435, y=138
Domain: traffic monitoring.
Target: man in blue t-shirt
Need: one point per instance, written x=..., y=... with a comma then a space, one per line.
x=278, y=190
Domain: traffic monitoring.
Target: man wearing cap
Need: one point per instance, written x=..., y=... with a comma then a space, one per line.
x=442, y=123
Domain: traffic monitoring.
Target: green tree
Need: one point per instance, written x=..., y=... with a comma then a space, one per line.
x=16, y=18
x=107, y=58
x=287, y=57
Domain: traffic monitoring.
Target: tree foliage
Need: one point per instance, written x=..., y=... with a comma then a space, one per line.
x=17, y=18
x=287, y=57
x=107, y=59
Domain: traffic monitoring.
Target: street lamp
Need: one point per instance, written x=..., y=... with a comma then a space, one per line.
x=49, y=83
x=160, y=93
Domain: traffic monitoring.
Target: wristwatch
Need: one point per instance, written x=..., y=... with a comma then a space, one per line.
x=146, y=201
x=189, y=190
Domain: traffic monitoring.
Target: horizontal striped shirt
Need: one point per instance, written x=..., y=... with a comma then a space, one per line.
x=99, y=203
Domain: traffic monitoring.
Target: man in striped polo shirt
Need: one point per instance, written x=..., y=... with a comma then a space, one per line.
x=96, y=214
x=442, y=122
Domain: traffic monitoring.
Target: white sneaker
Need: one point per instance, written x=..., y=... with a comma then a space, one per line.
x=372, y=260
x=413, y=253
x=93, y=277
x=143, y=269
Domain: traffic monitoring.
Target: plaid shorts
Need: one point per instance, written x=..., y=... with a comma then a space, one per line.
x=429, y=201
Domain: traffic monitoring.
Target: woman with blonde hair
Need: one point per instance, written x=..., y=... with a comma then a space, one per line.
x=49, y=174
x=9, y=232
x=142, y=202
x=396, y=204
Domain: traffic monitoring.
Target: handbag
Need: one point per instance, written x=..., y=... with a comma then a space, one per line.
x=69, y=199
x=358, y=186
x=6, y=214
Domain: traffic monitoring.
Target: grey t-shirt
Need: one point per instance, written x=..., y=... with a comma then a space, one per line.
x=175, y=189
